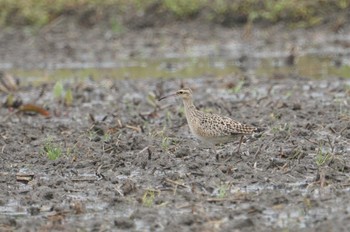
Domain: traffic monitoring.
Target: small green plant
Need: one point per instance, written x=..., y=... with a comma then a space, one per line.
x=296, y=154
x=222, y=191
x=92, y=135
x=62, y=95
x=52, y=151
x=165, y=143
x=68, y=97
x=148, y=198
x=106, y=137
x=282, y=128
x=237, y=88
x=58, y=90
x=322, y=157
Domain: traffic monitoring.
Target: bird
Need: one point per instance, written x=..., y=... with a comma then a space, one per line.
x=212, y=129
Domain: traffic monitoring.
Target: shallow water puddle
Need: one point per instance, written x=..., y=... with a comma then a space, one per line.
x=262, y=66
x=283, y=219
x=13, y=207
x=297, y=216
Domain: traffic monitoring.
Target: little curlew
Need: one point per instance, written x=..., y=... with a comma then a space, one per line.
x=210, y=128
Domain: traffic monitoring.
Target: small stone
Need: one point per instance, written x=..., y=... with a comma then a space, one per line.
x=124, y=223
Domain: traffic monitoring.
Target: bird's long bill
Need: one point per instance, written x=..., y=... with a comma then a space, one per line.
x=171, y=95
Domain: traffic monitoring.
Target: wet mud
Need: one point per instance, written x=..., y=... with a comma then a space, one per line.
x=128, y=162
x=117, y=159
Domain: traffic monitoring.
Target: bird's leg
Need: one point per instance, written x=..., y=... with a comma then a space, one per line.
x=239, y=146
x=216, y=154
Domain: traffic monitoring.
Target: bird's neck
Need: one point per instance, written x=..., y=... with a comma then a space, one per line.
x=189, y=106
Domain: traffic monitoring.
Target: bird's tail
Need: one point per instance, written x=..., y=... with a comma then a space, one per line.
x=257, y=133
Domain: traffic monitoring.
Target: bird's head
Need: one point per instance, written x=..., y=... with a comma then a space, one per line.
x=185, y=93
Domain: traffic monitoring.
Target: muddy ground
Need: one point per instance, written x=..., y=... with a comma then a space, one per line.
x=128, y=162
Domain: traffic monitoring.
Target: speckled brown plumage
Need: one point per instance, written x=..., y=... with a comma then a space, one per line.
x=211, y=128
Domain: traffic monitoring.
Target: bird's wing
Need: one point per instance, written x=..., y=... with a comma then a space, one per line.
x=217, y=125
